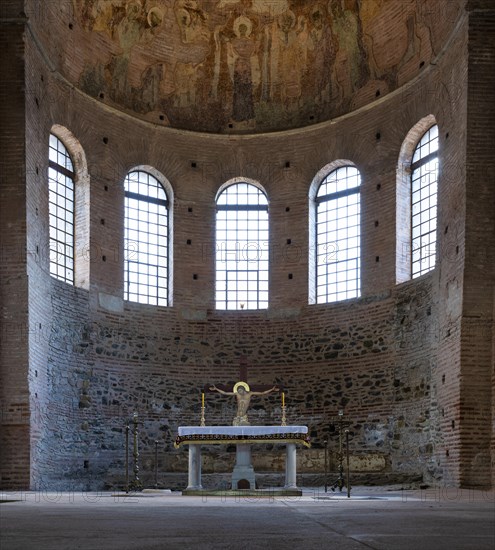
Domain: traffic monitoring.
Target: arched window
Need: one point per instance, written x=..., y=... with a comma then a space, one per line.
x=146, y=257
x=61, y=178
x=242, y=247
x=424, y=184
x=338, y=221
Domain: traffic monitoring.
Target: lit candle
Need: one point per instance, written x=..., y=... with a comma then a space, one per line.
x=283, y=399
x=202, y=399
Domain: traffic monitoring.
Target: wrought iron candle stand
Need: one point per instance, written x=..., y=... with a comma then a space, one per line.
x=341, y=482
x=135, y=484
x=156, y=463
x=325, y=443
x=127, y=457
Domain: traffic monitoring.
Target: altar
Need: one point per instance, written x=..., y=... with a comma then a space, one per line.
x=243, y=475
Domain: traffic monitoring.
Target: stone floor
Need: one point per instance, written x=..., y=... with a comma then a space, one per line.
x=377, y=518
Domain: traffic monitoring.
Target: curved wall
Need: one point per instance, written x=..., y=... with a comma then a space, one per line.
x=389, y=358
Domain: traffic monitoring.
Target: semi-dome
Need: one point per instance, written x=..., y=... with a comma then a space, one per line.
x=241, y=66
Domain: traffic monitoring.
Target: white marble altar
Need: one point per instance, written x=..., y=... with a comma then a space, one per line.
x=243, y=437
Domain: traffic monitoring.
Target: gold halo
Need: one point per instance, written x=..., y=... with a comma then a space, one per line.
x=243, y=20
x=289, y=14
x=244, y=385
x=158, y=12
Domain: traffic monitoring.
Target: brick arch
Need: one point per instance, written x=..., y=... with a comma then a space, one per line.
x=167, y=186
x=323, y=173
x=240, y=179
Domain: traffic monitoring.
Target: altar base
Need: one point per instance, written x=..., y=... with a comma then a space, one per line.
x=243, y=474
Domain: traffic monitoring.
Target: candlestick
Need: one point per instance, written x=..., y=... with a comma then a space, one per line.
x=283, y=399
x=202, y=421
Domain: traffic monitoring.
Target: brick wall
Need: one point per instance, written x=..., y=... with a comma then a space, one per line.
x=14, y=396
x=478, y=296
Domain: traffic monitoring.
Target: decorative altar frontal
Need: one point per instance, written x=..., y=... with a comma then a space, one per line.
x=207, y=435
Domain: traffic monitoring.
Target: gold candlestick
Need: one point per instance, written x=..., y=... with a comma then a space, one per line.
x=284, y=419
x=202, y=422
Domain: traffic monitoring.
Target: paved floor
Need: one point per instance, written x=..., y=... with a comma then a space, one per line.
x=376, y=518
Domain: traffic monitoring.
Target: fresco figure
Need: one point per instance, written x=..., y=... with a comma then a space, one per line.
x=192, y=22
x=185, y=84
x=242, y=49
x=321, y=55
x=195, y=36
x=128, y=33
x=351, y=70
x=292, y=45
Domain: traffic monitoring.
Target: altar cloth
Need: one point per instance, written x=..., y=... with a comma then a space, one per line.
x=241, y=430
x=242, y=434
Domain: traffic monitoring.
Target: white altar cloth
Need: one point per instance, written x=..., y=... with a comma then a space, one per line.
x=241, y=430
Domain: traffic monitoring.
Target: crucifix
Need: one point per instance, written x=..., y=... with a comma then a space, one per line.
x=242, y=391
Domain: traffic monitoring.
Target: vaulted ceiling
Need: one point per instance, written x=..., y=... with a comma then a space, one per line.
x=241, y=66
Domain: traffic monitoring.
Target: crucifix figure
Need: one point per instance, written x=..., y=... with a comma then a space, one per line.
x=243, y=394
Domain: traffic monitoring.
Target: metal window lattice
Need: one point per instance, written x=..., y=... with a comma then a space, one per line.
x=242, y=250
x=338, y=236
x=61, y=211
x=424, y=190
x=146, y=240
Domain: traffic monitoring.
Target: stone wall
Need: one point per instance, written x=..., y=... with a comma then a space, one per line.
x=358, y=357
